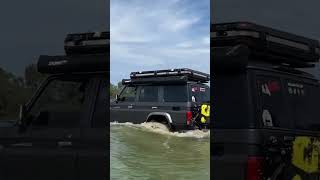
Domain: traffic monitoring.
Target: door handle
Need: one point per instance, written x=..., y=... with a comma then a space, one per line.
x=24, y=144
x=154, y=107
x=64, y=143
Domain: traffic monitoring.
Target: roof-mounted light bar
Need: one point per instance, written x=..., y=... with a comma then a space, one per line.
x=87, y=43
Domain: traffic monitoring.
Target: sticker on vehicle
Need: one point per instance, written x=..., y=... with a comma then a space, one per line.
x=205, y=113
x=305, y=154
x=267, y=118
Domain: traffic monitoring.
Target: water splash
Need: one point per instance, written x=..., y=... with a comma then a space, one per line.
x=162, y=129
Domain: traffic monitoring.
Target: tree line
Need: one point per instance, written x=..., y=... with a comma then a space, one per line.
x=115, y=89
x=15, y=90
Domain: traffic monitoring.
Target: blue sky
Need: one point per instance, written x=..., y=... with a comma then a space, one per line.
x=162, y=34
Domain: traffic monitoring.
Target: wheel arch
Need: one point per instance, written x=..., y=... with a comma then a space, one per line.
x=160, y=116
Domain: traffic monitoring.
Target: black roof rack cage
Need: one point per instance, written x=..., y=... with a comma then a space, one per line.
x=192, y=75
x=158, y=80
x=87, y=43
x=279, y=46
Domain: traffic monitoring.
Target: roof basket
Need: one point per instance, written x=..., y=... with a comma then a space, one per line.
x=190, y=74
x=266, y=44
x=87, y=43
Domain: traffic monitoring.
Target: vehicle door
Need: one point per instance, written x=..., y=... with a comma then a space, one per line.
x=174, y=100
x=283, y=109
x=200, y=97
x=54, y=120
x=93, y=157
x=123, y=109
x=148, y=101
x=15, y=150
x=302, y=96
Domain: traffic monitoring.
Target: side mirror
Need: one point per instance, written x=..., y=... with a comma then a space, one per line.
x=22, y=111
x=117, y=98
x=20, y=122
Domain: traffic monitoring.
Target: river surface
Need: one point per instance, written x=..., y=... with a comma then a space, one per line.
x=144, y=151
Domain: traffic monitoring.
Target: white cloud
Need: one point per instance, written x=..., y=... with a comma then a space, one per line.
x=147, y=35
x=206, y=40
x=175, y=24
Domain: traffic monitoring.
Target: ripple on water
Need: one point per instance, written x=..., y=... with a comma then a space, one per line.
x=161, y=129
x=150, y=151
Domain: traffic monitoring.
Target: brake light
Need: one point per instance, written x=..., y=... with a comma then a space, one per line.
x=254, y=168
x=189, y=117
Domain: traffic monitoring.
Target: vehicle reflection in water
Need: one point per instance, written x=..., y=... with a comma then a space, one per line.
x=148, y=151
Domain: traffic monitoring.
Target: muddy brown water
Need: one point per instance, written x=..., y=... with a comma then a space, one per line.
x=148, y=151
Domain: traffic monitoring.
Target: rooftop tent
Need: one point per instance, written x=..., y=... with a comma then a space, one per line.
x=263, y=44
x=73, y=63
x=85, y=52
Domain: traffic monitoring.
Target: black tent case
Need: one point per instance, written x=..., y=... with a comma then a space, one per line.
x=266, y=43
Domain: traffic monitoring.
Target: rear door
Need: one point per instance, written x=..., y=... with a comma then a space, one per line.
x=174, y=100
x=273, y=116
x=148, y=101
x=200, y=95
x=303, y=97
x=288, y=114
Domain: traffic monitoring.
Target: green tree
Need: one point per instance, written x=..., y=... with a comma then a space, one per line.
x=115, y=89
x=16, y=90
x=32, y=77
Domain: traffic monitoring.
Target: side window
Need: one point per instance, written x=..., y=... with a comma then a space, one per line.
x=303, y=99
x=128, y=94
x=149, y=94
x=272, y=106
x=175, y=93
x=60, y=104
x=200, y=93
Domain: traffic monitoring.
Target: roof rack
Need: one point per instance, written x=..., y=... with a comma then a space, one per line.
x=190, y=74
x=157, y=80
x=87, y=43
x=267, y=44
